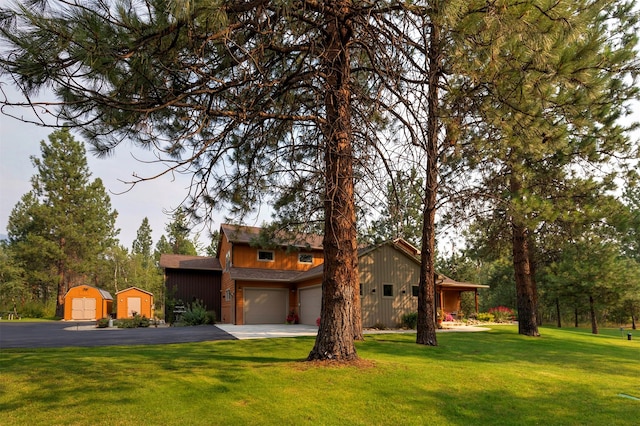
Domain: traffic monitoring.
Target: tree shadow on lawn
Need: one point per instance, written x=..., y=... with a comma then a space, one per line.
x=506, y=345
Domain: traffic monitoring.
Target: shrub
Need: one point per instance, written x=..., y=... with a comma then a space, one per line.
x=102, y=323
x=196, y=314
x=410, y=320
x=485, y=317
x=501, y=314
x=135, y=322
x=379, y=326
x=211, y=317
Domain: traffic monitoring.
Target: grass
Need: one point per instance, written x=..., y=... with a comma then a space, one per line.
x=566, y=377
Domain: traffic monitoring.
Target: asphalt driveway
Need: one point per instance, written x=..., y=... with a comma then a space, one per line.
x=22, y=334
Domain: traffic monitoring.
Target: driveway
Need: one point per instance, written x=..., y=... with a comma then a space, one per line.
x=19, y=334
x=22, y=334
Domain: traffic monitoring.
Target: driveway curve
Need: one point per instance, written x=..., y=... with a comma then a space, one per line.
x=19, y=334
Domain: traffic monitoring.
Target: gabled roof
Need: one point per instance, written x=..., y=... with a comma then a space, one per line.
x=247, y=234
x=181, y=261
x=134, y=288
x=104, y=293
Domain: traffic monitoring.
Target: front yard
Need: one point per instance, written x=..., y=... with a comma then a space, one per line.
x=565, y=377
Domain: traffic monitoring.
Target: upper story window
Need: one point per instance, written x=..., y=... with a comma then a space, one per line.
x=305, y=258
x=387, y=290
x=227, y=261
x=266, y=256
x=415, y=290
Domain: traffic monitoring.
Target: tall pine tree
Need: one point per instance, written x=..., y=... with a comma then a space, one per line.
x=65, y=222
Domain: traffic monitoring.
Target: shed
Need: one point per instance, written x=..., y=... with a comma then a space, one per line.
x=134, y=300
x=84, y=302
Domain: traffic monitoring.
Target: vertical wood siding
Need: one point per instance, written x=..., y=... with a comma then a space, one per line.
x=189, y=285
x=387, y=265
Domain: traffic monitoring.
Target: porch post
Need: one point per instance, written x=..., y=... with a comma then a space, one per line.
x=476, y=298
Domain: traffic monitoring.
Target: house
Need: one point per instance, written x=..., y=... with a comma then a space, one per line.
x=263, y=284
x=84, y=302
x=191, y=278
x=132, y=301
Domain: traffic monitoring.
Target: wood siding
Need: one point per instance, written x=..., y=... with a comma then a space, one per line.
x=245, y=256
x=189, y=285
x=386, y=265
x=146, y=302
x=103, y=307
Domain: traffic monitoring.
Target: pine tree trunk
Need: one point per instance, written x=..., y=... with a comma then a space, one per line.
x=340, y=285
x=592, y=313
x=558, y=312
x=62, y=283
x=575, y=317
x=426, y=326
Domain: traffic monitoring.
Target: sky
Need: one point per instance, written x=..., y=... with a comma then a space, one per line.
x=154, y=199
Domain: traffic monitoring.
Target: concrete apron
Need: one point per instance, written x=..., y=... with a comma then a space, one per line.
x=264, y=331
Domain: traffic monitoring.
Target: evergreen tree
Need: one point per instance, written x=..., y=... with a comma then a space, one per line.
x=246, y=96
x=143, y=243
x=178, y=231
x=539, y=103
x=62, y=226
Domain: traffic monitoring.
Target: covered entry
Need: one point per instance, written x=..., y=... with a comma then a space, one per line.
x=265, y=305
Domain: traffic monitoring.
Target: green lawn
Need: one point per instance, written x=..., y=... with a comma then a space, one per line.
x=566, y=377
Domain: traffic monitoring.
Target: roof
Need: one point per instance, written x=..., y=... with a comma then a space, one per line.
x=134, y=288
x=446, y=282
x=248, y=234
x=104, y=293
x=181, y=261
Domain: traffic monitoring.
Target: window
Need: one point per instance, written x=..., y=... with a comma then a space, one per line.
x=265, y=256
x=414, y=290
x=305, y=258
x=227, y=294
x=227, y=261
x=361, y=291
x=387, y=290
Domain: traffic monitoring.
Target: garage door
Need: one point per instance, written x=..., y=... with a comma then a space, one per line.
x=265, y=306
x=310, y=303
x=133, y=306
x=83, y=308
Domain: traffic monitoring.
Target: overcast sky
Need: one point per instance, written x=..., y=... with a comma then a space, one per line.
x=19, y=141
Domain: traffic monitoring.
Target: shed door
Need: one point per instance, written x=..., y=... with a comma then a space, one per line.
x=265, y=305
x=83, y=308
x=133, y=306
x=310, y=303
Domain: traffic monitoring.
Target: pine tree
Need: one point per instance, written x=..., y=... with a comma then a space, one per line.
x=65, y=222
x=178, y=231
x=143, y=243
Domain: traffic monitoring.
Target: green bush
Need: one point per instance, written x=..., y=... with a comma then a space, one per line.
x=485, y=317
x=196, y=314
x=410, y=320
x=102, y=323
x=211, y=317
x=135, y=322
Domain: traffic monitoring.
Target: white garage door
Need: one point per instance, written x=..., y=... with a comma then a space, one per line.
x=265, y=306
x=133, y=306
x=83, y=308
x=310, y=303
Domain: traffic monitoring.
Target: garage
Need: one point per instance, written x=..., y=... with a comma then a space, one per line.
x=310, y=304
x=83, y=308
x=84, y=302
x=265, y=305
x=132, y=301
